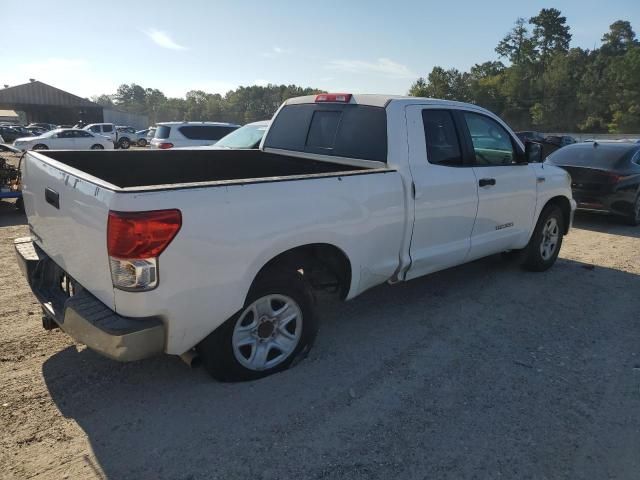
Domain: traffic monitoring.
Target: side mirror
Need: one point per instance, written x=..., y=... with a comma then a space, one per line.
x=532, y=152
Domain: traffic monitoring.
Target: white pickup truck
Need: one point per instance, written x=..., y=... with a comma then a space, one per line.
x=218, y=253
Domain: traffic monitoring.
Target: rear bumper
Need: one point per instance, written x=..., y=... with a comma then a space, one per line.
x=83, y=316
x=616, y=203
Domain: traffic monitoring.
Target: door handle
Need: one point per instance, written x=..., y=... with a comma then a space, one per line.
x=485, y=182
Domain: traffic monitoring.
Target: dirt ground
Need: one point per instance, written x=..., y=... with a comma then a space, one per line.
x=482, y=371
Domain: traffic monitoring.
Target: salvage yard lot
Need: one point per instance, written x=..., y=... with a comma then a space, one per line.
x=483, y=370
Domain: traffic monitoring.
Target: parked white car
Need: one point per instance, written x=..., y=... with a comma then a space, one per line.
x=190, y=134
x=247, y=136
x=64, y=139
x=120, y=139
x=222, y=251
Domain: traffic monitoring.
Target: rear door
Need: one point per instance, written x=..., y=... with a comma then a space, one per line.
x=506, y=188
x=64, y=140
x=84, y=140
x=446, y=191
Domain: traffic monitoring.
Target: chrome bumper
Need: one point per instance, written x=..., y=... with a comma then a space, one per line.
x=83, y=316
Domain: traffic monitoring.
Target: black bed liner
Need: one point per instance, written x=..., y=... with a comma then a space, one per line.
x=135, y=168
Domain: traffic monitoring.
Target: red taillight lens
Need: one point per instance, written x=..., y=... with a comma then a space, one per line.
x=138, y=235
x=165, y=145
x=614, y=177
x=333, y=97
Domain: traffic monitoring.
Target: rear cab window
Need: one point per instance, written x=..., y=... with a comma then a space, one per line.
x=340, y=130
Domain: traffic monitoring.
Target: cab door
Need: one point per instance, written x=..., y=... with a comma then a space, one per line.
x=445, y=191
x=506, y=187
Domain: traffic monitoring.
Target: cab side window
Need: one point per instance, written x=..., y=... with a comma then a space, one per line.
x=492, y=144
x=441, y=137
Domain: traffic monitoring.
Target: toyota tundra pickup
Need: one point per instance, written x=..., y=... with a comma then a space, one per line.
x=220, y=253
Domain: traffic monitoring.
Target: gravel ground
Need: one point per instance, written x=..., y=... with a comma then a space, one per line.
x=482, y=371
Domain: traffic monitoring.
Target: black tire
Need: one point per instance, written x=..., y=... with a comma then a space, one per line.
x=124, y=143
x=534, y=260
x=40, y=146
x=97, y=146
x=634, y=217
x=217, y=351
x=20, y=204
x=142, y=142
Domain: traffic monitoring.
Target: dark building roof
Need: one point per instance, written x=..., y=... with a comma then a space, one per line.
x=38, y=93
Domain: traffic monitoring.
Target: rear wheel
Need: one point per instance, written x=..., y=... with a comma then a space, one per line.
x=124, y=143
x=634, y=217
x=40, y=146
x=544, y=246
x=142, y=142
x=276, y=326
x=97, y=146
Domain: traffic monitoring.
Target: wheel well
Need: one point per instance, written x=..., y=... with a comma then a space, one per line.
x=564, y=205
x=325, y=267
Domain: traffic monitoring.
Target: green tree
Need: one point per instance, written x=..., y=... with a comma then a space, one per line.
x=619, y=38
x=550, y=33
x=517, y=45
x=445, y=84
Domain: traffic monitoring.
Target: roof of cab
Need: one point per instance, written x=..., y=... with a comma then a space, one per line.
x=376, y=100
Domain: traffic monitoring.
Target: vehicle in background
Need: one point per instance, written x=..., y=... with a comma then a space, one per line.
x=605, y=177
x=1, y=140
x=36, y=130
x=23, y=131
x=10, y=186
x=109, y=130
x=346, y=192
x=530, y=136
x=560, y=140
x=248, y=136
x=65, y=139
x=144, y=137
x=190, y=134
x=43, y=126
x=9, y=133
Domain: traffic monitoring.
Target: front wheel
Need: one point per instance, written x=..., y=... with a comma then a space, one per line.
x=276, y=326
x=544, y=245
x=142, y=142
x=124, y=143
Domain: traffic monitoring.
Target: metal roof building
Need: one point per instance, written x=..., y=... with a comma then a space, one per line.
x=43, y=103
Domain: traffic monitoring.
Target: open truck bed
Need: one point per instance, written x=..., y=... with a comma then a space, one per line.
x=163, y=168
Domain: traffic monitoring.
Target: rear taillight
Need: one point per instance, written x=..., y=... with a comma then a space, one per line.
x=165, y=145
x=333, y=97
x=134, y=242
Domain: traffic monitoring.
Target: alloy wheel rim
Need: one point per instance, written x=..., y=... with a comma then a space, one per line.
x=267, y=332
x=550, y=238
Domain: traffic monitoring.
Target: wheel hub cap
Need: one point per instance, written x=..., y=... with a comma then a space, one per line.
x=550, y=238
x=267, y=332
x=266, y=328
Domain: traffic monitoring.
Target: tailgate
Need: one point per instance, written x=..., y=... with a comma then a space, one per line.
x=67, y=216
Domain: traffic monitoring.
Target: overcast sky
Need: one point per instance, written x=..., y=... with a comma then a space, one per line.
x=90, y=48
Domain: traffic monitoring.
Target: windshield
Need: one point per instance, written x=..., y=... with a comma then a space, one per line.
x=248, y=136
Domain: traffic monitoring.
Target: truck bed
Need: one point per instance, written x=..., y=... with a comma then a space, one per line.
x=130, y=169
